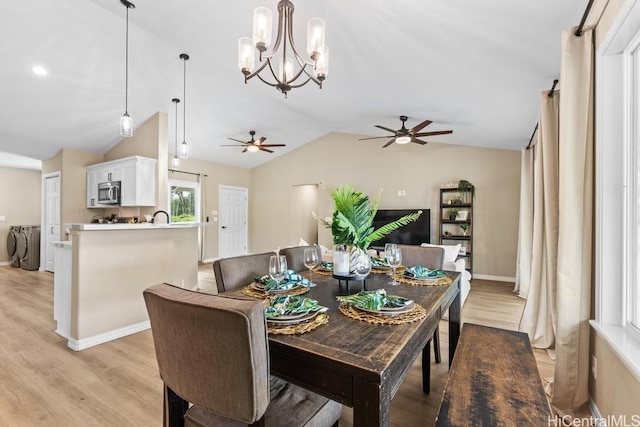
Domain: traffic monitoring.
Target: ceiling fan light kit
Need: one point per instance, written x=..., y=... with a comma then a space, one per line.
x=286, y=77
x=126, y=122
x=405, y=136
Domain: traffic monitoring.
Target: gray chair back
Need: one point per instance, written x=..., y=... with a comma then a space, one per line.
x=430, y=257
x=212, y=350
x=236, y=272
x=295, y=256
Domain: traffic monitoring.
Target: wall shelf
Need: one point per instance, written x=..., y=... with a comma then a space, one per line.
x=461, y=201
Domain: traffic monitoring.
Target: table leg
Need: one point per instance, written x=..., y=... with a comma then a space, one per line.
x=454, y=324
x=426, y=368
x=370, y=405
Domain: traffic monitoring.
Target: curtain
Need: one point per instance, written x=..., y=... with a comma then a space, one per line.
x=525, y=230
x=575, y=223
x=539, y=317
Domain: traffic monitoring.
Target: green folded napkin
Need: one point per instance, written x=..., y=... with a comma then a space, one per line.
x=374, y=300
x=326, y=265
x=377, y=262
x=420, y=272
x=291, y=280
x=288, y=305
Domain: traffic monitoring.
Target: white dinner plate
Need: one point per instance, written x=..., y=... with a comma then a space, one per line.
x=389, y=311
x=292, y=319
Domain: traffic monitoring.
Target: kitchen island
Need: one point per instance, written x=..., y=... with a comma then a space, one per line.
x=105, y=268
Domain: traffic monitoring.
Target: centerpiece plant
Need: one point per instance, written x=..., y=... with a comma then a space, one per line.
x=352, y=221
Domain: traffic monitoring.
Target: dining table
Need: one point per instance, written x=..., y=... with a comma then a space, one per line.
x=362, y=364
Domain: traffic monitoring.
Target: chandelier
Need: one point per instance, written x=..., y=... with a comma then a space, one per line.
x=292, y=69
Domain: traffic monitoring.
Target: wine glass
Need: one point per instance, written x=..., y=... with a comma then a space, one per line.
x=310, y=261
x=394, y=258
x=362, y=264
x=277, y=267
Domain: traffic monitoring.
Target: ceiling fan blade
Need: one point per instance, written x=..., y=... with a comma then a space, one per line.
x=440, y=132
x=231, y=145
x=265, y=149
x=261, y=140
x=245, y=150
x=416, y=128
x=375, y=137
x=237, y=140
x=389, y=143
x=418, y=141
x=387, y=129
x=272, y=145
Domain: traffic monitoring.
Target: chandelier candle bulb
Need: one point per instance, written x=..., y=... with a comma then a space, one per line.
x=315, y=37
x=246, y=55
x=262, y=24
x=322, y=64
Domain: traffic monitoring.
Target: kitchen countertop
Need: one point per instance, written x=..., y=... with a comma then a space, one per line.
x=137, y=226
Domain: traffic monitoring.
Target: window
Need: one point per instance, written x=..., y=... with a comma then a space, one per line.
x=184, y=201
x=617, y=177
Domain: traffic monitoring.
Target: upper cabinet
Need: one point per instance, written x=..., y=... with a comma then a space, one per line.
x=137, y=176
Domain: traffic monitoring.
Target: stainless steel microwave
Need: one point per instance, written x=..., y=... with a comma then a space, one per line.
x=109, y=193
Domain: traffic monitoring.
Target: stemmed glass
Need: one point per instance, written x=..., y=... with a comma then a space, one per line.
x=394, y=258
x=277, y=267
x=310, y=261
x=362, y=266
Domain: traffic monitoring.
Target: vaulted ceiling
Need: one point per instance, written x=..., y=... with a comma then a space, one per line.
x=476, y=67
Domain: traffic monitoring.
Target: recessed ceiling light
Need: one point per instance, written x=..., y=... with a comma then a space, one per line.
x=39, y=70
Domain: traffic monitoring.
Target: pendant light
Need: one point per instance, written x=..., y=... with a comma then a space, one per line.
x=126, y=123
x=175, y=162
x=184, y=147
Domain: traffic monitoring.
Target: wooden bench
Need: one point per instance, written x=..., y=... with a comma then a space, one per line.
x=493, y=381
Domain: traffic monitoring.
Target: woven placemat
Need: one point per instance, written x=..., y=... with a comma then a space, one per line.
x=322, y=272
x=299, y=328
x=378, y=270
x=415, y=282
x=418, y=313
x=251, y=292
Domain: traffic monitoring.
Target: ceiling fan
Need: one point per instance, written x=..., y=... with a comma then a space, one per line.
x=253, y=145
x=405, y=136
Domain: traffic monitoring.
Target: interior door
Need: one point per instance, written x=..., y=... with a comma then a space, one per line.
x=233, y=221
x=52, y=219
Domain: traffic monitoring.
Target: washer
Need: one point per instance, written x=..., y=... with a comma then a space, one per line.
x=12, y=245
x=29, y=247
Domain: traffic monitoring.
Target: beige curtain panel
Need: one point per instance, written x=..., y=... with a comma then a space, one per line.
x=539, y=315
x=525, y=230
x=575, y=235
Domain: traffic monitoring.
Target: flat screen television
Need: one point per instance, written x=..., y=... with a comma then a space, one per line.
x=414, y=233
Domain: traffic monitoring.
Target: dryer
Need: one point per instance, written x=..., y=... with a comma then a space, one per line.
x=12, y=245
x=29, y=247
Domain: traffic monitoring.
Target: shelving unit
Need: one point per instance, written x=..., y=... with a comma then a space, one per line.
x=449, y=230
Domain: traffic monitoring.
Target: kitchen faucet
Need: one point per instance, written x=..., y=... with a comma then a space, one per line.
x=153, y=220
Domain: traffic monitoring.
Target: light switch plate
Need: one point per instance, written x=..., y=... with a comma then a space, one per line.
x=3, y=218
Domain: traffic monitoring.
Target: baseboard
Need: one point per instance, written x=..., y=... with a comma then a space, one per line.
x=77, y=345
x=595, y=413
x=495, y=278
x=209, y=260
x=4, y=263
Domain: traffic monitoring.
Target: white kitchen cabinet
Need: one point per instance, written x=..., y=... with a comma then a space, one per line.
x=137, y=176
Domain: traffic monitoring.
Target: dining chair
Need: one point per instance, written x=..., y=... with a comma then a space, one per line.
x=213, y=353
x=295, y=256
x=432, y=258
x=236, y=272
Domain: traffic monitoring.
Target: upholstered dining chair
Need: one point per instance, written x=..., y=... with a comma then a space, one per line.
x=213, y=352
x=432, y=258
x=236, y=272
x=295, y=256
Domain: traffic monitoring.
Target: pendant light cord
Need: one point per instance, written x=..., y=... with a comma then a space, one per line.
x=126, y=66
x=184, y=100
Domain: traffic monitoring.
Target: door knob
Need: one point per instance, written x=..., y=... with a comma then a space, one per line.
x=224, y=226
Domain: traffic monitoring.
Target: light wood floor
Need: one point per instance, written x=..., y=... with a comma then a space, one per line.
x=43, y=383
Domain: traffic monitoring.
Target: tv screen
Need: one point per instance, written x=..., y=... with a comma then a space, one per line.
x=414, y=233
